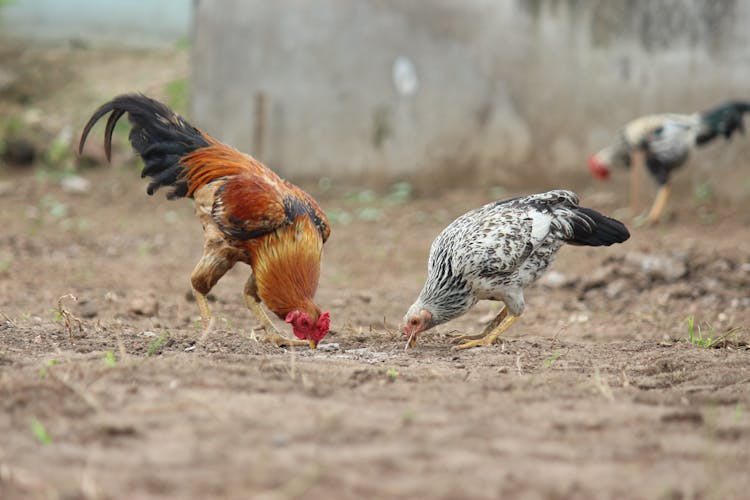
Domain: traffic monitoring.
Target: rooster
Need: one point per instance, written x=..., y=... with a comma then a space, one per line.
x=663, y=142
x=496, y=251
x=249, y=214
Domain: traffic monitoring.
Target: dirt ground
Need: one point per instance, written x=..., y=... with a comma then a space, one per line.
x=594, y=393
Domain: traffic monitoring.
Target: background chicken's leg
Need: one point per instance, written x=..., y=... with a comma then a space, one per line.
x=659, y=203
x=636, y=180
x=253, y=303
x=491, y=337
x=491, y=326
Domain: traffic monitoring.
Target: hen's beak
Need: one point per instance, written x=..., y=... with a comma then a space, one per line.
x=313, y=344
x=411, y=338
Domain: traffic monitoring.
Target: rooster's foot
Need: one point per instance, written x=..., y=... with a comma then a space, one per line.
x=281, y=341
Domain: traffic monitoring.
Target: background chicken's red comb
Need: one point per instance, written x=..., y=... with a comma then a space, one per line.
x=598, y=169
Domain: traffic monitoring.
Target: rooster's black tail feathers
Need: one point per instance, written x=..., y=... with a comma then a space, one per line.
x=159, y=135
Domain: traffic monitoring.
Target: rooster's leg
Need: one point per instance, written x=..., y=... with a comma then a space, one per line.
x=206, y=319
x=205, y=275
x=491, y=326
x=253, y=303
x=636, y=180
x=492, y=336
x=659, y=203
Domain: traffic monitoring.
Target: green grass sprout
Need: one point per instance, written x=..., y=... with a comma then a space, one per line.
x=40, y=433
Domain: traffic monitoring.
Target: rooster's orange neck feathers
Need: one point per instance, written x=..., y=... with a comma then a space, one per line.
x=286, y=264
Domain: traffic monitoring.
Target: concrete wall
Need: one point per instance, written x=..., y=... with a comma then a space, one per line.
x=134, y=23
x=484, y=89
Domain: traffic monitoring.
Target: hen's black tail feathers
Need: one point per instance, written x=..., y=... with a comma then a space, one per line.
x=159, y=135
x=590, y=228
x=723, y=121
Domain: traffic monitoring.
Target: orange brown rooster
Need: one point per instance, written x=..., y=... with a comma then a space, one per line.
x=249, y=214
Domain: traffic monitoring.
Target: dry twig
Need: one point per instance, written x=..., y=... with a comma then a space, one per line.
x=68, y=317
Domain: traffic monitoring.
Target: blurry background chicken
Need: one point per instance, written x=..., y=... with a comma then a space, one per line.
x=249, y=214
x=496, y=251
x=662, y=143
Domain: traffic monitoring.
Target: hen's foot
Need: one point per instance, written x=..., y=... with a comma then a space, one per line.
x=462, y=337
x=489, y=338
x=484, y=341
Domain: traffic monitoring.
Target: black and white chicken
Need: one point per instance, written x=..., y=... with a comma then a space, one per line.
x=496, y=251
x=662, y=143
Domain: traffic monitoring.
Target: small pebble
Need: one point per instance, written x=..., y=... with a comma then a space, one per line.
x=75, y=184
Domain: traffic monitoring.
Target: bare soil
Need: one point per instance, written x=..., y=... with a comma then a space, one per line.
x=594, y=393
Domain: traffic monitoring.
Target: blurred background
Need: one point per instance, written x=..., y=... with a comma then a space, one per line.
x=514, y=94
x=627, y=373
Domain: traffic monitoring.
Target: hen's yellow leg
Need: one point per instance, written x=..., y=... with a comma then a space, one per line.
x=659, y=203
x=491, y=337
x=491, y=326
x=272, y=334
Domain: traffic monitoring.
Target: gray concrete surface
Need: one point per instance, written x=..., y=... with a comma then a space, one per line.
x=490, y=90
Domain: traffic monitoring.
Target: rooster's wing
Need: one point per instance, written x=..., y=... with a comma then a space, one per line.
x=249, y=205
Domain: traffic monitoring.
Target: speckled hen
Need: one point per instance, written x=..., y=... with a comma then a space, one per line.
x=496, y=251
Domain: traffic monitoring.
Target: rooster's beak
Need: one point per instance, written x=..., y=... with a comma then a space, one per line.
x=313, y=344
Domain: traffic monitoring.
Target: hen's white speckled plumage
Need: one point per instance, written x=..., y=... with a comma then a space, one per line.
x=495, y=251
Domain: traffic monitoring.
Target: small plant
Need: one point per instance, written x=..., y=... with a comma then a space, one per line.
x=392, y=374
x=370, y=214
x=324, y=183
x=703, y=193
x=54, y=208
x=48, y=364
x=339, y=216
x=40, y=433
x=5, y=263
x=156, y=345
x=145, y=248
x=696, y=338
x=364, y=196
x=59, y=151
x=182, y=43
x=109, y=359
x=401, y=192
x=177, y=94
x=551, y=360
x=407, y=417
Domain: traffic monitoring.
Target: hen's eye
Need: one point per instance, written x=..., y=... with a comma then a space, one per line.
x=414, y=322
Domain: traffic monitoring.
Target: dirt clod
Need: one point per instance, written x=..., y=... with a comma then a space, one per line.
x=144, y=306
